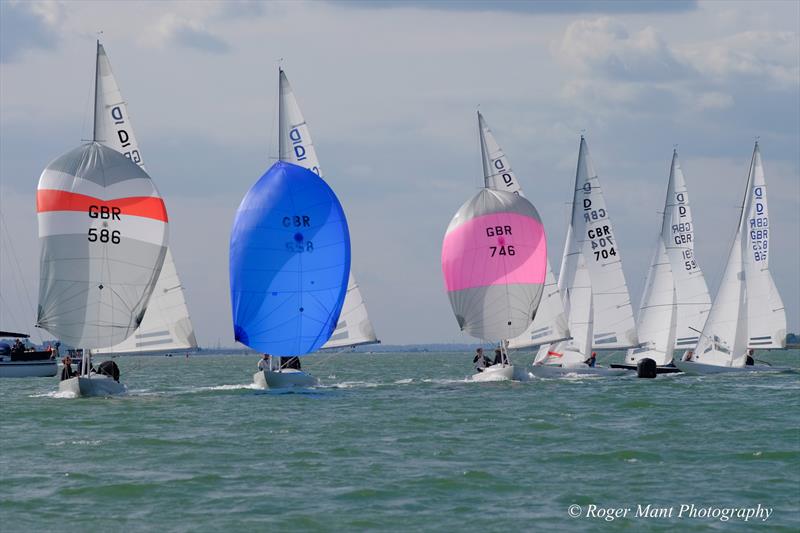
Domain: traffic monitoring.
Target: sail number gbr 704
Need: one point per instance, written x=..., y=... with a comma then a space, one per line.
x=502, y=248
x=104, y=235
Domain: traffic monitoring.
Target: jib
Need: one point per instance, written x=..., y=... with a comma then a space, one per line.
x=297, y=221
x=103, y=211
x=498, y=230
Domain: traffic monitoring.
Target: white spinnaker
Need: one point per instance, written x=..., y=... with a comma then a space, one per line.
x=593, y=233
x=657, y=313
x=550, y=323
x=766, y=316
x=166, y=324
x=677, y=232
x=295, y=146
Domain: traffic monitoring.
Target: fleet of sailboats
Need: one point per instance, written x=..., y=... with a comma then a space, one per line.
x=108, y=281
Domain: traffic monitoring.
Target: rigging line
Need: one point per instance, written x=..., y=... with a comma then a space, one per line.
x=19, y=270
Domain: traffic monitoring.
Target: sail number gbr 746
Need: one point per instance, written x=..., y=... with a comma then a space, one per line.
x=106, y=214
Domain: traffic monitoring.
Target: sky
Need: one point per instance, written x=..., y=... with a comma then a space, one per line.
x=390, y=92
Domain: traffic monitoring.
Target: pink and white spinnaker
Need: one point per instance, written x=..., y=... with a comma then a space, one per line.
x=494, y=260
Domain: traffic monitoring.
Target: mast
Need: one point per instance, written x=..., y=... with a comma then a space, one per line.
x=281, y=140
x=96, y=92
x=484, y=155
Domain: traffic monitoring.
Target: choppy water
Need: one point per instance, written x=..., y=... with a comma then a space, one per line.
x=395, y=442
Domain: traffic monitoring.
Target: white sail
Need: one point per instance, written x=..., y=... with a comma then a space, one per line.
x=766, y=316
x=578, y=300
x=657, y=313
x=550, y=323
x=295, y=146
x=594, y=236
x=724, y=338
x=677, y=232
x=166, y=324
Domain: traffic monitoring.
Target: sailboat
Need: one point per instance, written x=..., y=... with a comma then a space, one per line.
x=166, y=325
x=103, y=234
x=734, y=316
x=494, y=258
x=550, y=323
x=590, y=278
x=296, y=146
x=675, y=301
x=289, y=266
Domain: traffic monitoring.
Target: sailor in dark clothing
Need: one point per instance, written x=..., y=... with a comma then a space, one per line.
x=18, y=347
x=750, y=361
x=66, y=371
x=480, y=360
x=498, y=357
x=592, y=361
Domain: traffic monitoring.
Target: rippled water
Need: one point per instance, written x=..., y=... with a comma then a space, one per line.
x=395, y=441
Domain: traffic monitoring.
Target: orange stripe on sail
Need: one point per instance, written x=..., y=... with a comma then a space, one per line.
x=139, y=206
x=555, y=354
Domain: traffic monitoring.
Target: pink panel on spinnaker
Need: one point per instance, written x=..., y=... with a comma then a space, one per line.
x=495, y=249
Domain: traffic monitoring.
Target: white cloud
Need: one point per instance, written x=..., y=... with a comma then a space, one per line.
x=172, y=29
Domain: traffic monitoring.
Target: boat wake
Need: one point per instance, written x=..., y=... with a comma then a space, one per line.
x=54, y=394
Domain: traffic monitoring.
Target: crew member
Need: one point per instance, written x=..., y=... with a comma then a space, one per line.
x=592, y=361
x=263, y=363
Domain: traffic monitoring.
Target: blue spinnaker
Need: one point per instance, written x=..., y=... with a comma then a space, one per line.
x=289, y=262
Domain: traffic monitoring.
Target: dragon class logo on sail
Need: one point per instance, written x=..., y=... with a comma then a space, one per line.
x=125, y=142
x=299, y=149
x=504, y=172
x=759, y=225
x=601, y=238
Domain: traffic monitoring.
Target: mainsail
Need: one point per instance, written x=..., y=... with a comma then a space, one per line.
x=295, y=146
x=289, y=262
x=677, y=233
x=493, y=260
x=166, y=324
x=550, y=322
x=103, y=233
x=593, y=235
x=766, y=316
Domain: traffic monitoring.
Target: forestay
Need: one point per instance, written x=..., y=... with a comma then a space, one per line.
x=103, y=234
x=289, y=262
x=493, y=261
x=550, y=322
x=166, y=324
x=677, y=233
x=766, y=316
x=594, y=236
x=295, y=146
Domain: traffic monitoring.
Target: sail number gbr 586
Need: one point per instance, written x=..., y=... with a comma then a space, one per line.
x=105, y=213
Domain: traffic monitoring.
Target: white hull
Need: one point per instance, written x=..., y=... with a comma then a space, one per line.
x=28, y=369
x=283, y=379
x=96, y=385
x=690, y=367
x=555, y=371
x=495, y=373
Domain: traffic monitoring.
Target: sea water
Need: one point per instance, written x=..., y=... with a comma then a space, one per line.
x=399, y=442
